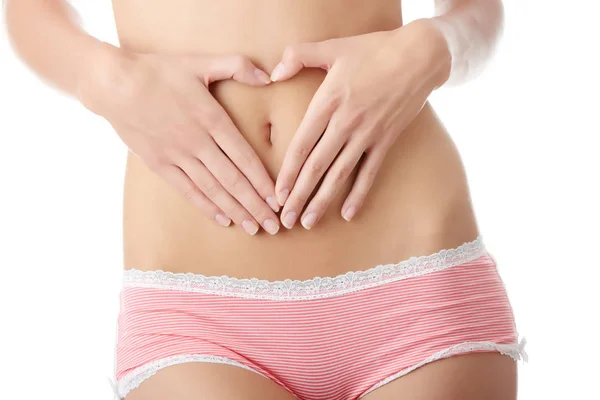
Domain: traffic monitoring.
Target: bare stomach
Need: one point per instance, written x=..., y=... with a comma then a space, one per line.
x=419, y=202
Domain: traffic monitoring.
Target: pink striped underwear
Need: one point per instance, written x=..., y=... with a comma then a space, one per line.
x=324, y=338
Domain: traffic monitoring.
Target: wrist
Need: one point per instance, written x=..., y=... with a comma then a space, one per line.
x=432, y=51
x=100, y=68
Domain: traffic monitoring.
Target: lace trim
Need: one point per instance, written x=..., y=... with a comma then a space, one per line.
x=514, y=351
x=134, y=378
x=312, y=288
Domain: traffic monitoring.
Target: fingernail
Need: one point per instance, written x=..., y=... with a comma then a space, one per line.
x=277, y=72
x=222, y=220
x=262, y=75
x=309, y=220
x=273, y=203
x=271, y=226
x=289, y=219
x=250, y=227
x=349, y=213
x=282, y=196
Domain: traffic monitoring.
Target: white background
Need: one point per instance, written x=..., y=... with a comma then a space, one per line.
x=528, y=133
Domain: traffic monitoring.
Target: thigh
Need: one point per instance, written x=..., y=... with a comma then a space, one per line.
x=193, y=381
x=474, y=376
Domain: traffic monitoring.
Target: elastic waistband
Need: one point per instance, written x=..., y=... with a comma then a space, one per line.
x=315, y=288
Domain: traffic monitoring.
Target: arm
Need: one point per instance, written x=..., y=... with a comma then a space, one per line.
x=159, y=105
x=375, y=86
x=44, y=33
x=471, y=29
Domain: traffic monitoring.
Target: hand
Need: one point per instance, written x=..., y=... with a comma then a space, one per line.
x=376, y=84
x=162, y=109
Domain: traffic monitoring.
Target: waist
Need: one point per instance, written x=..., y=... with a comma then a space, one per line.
x=418, y=204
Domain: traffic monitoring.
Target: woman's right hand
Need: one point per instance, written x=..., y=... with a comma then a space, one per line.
x=162, y=109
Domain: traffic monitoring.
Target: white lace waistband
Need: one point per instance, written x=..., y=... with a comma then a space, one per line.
x=311, y=288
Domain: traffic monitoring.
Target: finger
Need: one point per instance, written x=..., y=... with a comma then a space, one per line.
x=363, y=182
x=312, y=171
x=303, y=55
x=334, y=180
x=235, y=67
x=214, y=191
x=182, y=182
x=314, y=123
x=238, y=186
x=239, y=151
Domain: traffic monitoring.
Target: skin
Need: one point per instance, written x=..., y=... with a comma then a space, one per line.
x=177, y=127
x=360, y=109
x=409, y=191
x=165, y=231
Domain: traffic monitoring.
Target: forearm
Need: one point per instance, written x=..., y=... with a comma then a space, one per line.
x=46, y=36
x=471, y=29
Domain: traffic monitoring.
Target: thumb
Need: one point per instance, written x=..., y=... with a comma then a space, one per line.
x=303, y=55
x=238, y=68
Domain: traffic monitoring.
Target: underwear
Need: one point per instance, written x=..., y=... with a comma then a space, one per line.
x=334, y=338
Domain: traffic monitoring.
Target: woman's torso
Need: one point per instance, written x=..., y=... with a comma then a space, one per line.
x=418, y=204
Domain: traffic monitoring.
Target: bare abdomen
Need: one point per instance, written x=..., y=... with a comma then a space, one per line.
x=418, y=204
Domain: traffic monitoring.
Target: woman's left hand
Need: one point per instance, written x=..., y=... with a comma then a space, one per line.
x=375, y=86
